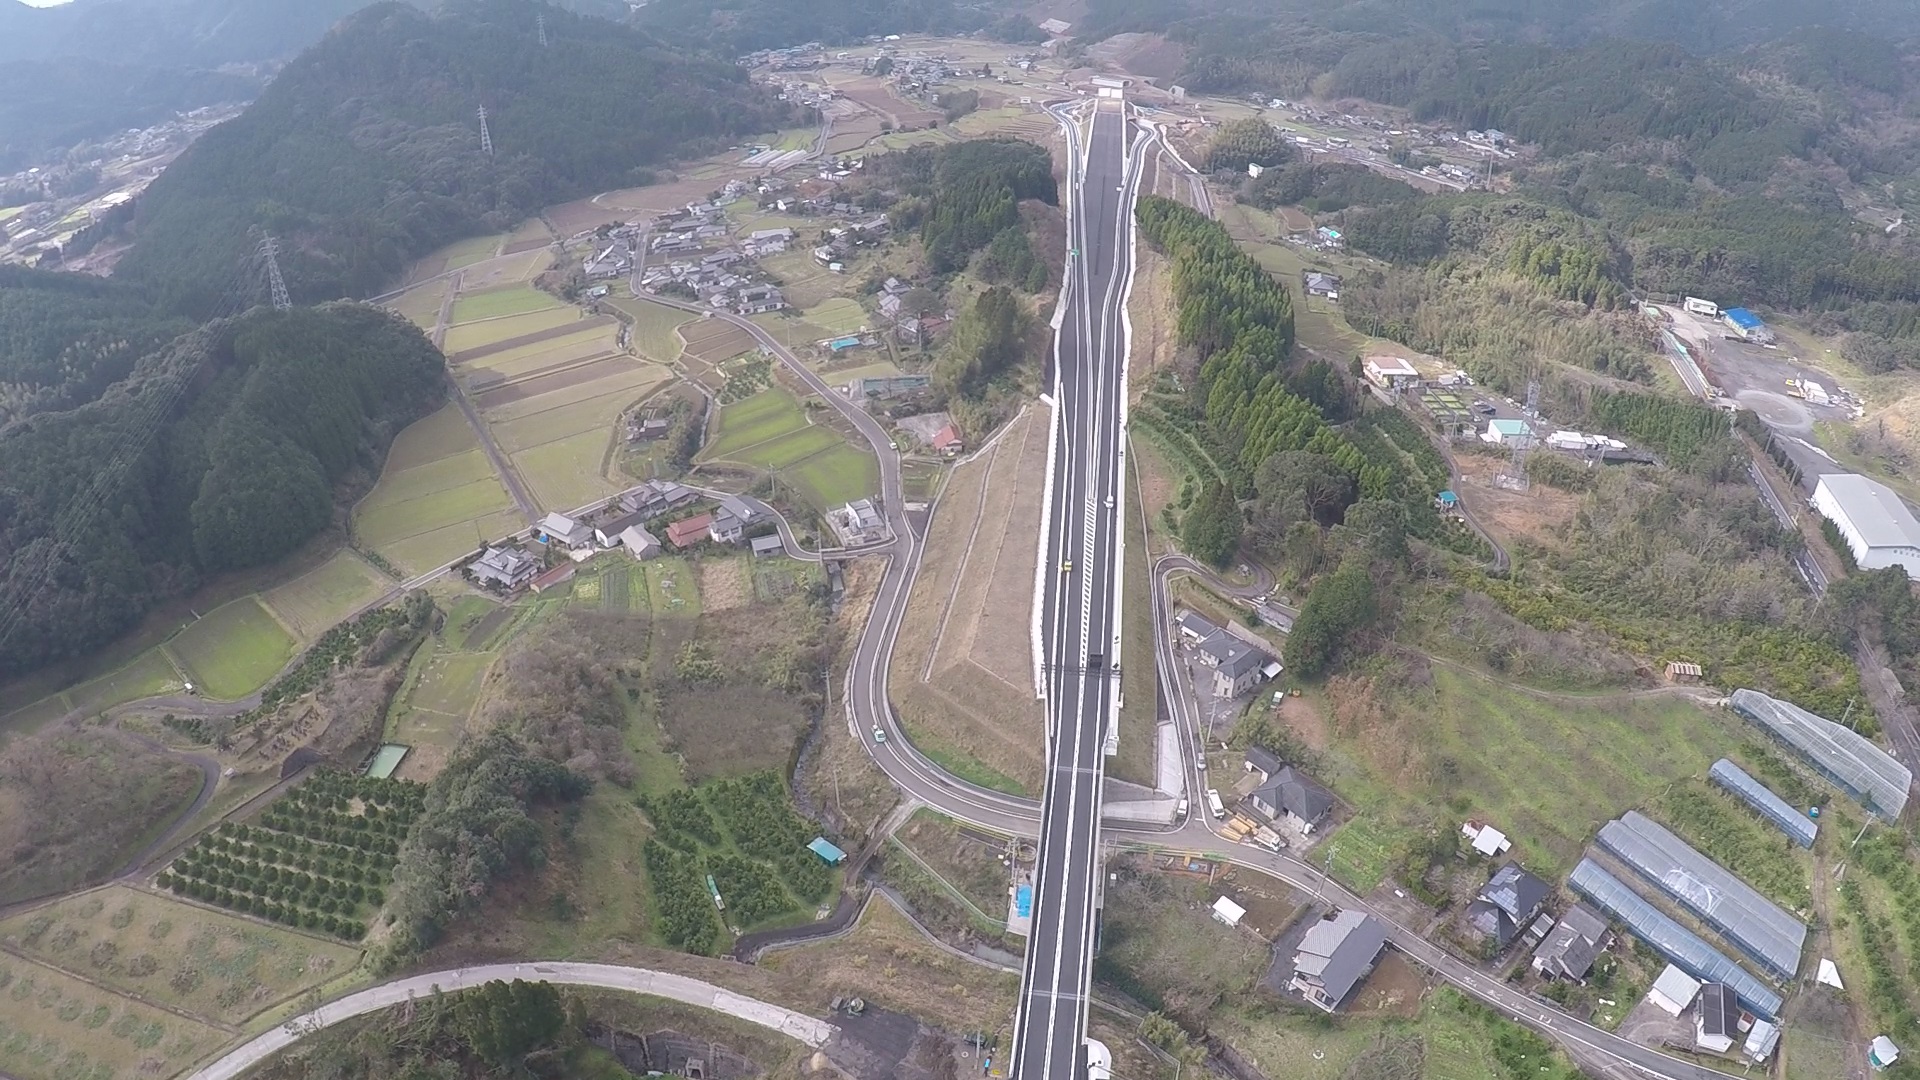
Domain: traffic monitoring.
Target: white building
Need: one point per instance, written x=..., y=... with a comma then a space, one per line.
x=1506, y=432
x=1228, y=912
x=1390, y=372
x=1673, y=991
x=1872, y=519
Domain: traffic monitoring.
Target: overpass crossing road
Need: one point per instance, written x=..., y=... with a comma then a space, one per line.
x=1079, y=597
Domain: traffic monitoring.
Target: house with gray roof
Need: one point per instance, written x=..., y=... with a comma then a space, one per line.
x=558, y=528
x=608, y=531
x=639, y=543
x=1510, y=901
x=1288, y=798
x=1335, y=957
x=725, y=528
x=507, y=567
x=1569, y=949
x=1263, y=761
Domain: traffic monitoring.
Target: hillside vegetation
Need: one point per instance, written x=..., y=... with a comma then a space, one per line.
x=65, y=337
x=365, y=152
x=221, y=450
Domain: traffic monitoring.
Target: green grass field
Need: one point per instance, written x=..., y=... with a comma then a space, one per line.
x=494, y=303
x=467, y=252
x=150, y=673
x=835, y=475
x=786, y=451
x=1587, y=761
x=488, y=331
x=433, y=716
x=314, y=601
x=56, y=1027
x=566, y=473
x=838, y=315
x=139, y=942
x=764, y=416
x=233, y=650
x=653, y=328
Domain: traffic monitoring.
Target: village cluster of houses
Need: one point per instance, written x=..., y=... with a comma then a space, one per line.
x=622, y=523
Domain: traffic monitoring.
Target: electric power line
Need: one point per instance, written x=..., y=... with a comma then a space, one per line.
x=276, y=285
x=486, y=137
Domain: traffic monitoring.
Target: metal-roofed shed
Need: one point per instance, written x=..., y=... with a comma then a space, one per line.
x=1768, y=934
x=1682, y=947
x=1868, y=774
x=1737, y=782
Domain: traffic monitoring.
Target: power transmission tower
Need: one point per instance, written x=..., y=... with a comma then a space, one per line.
x=1533, y=399
x=540, y=21
x=486, y=137
x=276, y=285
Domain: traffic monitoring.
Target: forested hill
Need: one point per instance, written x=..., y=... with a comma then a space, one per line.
x=64, y=338
x=222, y=450
x=365, y=153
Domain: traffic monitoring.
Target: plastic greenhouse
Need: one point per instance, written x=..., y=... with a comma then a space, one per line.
x=1865, y=772
x=1761, y=929
x=1799, y=828
x=1679, y=945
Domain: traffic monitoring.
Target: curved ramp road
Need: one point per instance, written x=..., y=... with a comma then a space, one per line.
x=637, y=980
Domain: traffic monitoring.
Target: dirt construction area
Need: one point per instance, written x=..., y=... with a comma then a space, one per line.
x=963, y=668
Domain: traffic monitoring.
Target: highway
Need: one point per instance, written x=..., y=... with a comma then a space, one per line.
x=1079, y=613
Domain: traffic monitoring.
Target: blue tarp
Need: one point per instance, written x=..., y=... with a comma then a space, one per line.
x=833, y=855
x=1023, y=901
x=843, y=343
x=1741, y=317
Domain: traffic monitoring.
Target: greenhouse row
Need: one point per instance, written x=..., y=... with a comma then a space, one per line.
x=1799, y=828
x=1679, y=945
x=1865, y=772
x=1757, y=926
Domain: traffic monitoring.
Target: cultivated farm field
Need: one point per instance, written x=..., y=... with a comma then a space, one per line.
x=466, y=336
x=150, y=673
x=233, y=650
x=56, y=1027
x=208, y=963
x=765, y=416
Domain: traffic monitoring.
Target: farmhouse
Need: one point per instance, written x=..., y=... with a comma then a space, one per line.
x=689, y=531
x=724, y=528
x=947, y=441
x=1288, y=798
x=639, y=543
x=558, y=528
x=1509, y=903
x=1571, y=947
x=506, y=567
x=1335, y=956
x=608, y=532
x=858, y=522
x=1717, y=1021
x=656, y=497
x=757, y=299
x=1872, y=519
x=1320, y=283
x=1391, y=372
x=1237, y=666
x=765, y=547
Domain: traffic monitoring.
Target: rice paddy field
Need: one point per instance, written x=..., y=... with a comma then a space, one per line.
x=765, y=416
x=472, y=335
x=437, y=498
x=543, y=355
x=233, y=650
x=496, y=303
x=654, y=328
x=838, y=315
x=150, y=673
x=467, y=252
x=422, y=305
x=314, y=601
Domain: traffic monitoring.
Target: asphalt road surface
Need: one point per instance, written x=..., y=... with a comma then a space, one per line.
x=638, y=980
x=1079, y=630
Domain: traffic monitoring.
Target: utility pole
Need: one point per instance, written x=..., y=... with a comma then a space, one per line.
x=276, y=285
x=540, y=21
x=1845, y=718
x=486, y=137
